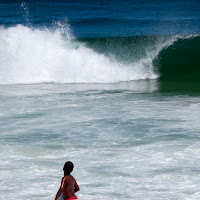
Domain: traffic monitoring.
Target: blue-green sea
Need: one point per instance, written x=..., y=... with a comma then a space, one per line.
x=113, y=86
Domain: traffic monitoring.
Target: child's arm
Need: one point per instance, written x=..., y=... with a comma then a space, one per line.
x=58, y=194
x=60, y=189
x=76, y=187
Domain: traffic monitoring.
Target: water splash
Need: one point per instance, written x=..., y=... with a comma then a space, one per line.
x=25, y=12
x=33, y=55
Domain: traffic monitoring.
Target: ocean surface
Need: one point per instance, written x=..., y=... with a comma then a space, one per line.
x=113, y=86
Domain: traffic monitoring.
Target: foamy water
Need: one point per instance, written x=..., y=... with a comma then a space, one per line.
x=125, y=141
x=31, y=55
x=43, y=55
x=77, y=82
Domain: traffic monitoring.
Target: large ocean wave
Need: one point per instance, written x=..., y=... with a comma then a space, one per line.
x=33, y=55
x=38, y=55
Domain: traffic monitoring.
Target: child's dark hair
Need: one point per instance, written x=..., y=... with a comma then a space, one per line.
x=68, y=168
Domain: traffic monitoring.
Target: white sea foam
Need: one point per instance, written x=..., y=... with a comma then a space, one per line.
x=124, y=145
x=33, y=55
x=37, y=55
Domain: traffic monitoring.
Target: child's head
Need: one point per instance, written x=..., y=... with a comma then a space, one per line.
x=68, y=168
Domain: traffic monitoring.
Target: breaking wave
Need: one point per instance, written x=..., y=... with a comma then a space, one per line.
x=37, y=55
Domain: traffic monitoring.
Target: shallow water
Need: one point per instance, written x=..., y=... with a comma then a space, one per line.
x=125, y=142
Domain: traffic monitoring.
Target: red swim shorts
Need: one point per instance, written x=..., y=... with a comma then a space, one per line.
x=71, y=198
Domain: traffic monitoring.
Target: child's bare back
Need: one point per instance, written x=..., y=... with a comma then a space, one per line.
x=68, y=185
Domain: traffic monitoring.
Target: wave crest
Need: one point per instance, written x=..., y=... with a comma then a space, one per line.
x=36, y=55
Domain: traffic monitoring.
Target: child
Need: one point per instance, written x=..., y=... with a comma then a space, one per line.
x=68, y=184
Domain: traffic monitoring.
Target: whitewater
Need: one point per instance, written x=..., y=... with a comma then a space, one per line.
x=45, y=55
x=125, y=139
x=35, y=55
x=63, y=100
x=112, y=87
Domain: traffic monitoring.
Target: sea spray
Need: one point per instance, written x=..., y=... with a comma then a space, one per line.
x=38, y=55
x=24, y=10
x=35, y=55
x=128, y=140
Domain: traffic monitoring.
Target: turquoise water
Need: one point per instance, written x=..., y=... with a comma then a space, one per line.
x=112, y=86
